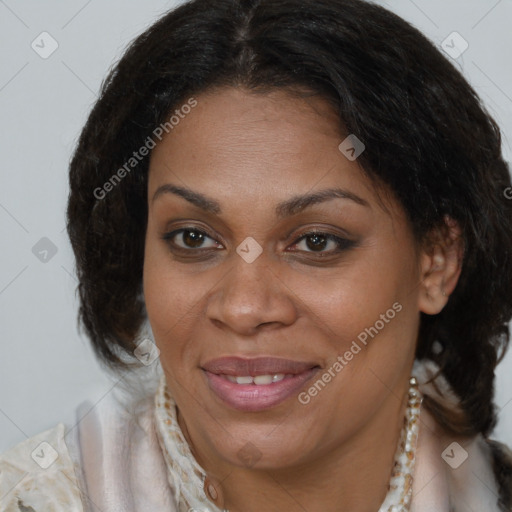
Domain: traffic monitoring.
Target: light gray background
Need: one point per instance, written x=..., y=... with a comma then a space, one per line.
x=46, y=367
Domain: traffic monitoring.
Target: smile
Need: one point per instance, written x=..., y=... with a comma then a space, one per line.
x=256, y=384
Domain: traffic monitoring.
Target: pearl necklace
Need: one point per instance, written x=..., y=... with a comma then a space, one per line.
x=190, y=484
x=398, y=498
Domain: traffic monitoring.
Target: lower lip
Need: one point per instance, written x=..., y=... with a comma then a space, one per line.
x=253, y=397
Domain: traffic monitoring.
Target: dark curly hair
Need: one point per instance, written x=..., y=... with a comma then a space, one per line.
x=428, y=139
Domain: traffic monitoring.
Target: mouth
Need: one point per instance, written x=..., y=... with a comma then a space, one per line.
x=256, y=384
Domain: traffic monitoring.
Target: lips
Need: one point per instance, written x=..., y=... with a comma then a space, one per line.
x=256, y=384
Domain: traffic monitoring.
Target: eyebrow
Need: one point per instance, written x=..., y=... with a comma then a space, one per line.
x=284, y=209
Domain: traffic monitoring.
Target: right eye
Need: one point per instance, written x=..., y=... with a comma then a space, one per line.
x=188, y=239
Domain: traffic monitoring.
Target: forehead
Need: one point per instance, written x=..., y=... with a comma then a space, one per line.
x=256, y=146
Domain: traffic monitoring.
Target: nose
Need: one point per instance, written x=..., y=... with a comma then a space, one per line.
x=251, y=297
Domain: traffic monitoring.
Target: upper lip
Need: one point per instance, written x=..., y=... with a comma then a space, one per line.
x=239, y=366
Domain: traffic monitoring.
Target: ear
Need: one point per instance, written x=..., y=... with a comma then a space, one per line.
x=441, y=265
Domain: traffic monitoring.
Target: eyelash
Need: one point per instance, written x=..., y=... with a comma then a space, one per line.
x=342, y=243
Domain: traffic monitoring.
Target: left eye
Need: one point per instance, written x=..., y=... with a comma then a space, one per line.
x=319, y=242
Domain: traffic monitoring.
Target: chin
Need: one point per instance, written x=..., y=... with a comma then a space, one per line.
x=264, y=446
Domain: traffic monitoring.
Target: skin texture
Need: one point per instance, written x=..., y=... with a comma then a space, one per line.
x=249, y=152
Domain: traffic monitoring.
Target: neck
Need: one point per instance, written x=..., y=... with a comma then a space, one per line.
x=352, y=476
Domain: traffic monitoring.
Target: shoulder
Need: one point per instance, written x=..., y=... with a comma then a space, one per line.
x=110, y=460
x=121, y=459
x=457, y=470
x=460, y=473
x=39, y=474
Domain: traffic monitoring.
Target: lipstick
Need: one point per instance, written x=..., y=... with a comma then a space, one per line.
x=256, y=384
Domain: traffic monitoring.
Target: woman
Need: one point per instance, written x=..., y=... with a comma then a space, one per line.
x=299, y=206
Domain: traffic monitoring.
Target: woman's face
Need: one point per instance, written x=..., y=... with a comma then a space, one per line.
x=270, y=334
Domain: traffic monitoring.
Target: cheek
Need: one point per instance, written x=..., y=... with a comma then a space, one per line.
x=352, y=298
x=371, y=301
x=169, y=296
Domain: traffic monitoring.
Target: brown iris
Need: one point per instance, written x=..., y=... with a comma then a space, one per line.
x=193, y=238
x=316, y=242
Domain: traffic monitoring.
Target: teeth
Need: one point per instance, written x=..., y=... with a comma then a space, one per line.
x=244, y=380
x=263, y=379
x=260, y=380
